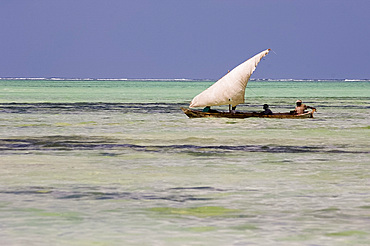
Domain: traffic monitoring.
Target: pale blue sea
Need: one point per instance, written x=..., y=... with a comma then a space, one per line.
x=116, y=162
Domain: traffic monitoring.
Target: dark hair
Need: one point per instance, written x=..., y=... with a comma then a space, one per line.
x=265, y=106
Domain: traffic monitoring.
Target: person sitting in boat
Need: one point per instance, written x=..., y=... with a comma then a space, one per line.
x=266, y=111
x=233, y=110
x=300, y=108
x=209, y=110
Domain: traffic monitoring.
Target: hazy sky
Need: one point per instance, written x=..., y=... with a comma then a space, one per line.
x=195, y=39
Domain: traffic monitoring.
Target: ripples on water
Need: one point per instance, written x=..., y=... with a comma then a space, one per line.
x=82, y=143
x=144, y=174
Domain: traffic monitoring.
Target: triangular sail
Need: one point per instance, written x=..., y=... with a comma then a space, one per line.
x=230, y=89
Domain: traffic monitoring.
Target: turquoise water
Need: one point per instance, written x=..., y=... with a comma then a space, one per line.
x=94, y=162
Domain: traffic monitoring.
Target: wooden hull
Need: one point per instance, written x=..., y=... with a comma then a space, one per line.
x=191, y=113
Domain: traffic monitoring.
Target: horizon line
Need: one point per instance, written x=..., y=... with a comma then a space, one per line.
x=172, y=79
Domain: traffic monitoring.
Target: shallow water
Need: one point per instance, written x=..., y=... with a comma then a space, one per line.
x=118, y=163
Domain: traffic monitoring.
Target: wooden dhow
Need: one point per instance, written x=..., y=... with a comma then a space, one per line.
x=230, y=90
x=191, y=113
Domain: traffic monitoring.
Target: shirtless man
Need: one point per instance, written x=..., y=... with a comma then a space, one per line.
x=300, y=108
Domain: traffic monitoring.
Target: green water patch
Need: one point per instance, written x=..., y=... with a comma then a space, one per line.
x=43, y=191
x=4, y=204
x=347, y=233
x=71, y=216
x=62, y=124
x=204, y=153
x=202, y=229
x=29, y=210
x=88, y=123
x=207, y=211
x=197, y=139
x=329, y=212
x=32, y=125
x=245, y=227
x=113, y=124
x=330, y=209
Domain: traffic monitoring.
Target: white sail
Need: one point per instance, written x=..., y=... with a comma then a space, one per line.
x=230, y=89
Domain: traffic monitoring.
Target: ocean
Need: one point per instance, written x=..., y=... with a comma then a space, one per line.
x=116, y=162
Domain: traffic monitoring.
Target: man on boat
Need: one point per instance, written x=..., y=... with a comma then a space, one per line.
x=209, y=110
x=233, y=110
x=300, y=108
x=266, y=111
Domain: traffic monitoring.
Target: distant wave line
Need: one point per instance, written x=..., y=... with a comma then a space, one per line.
x=176, y=79
x=96, y=79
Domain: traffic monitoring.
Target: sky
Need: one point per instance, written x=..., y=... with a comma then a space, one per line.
x=192, y=39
